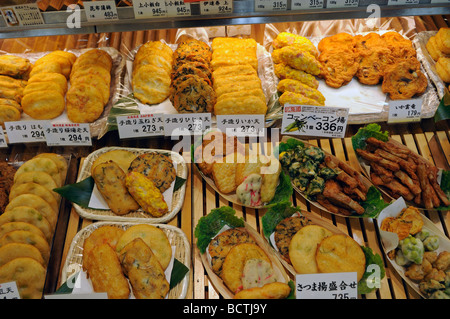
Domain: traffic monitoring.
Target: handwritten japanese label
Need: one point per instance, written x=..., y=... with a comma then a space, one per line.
x=8, y=290
x=177, y=8
x=68, y=134
x=306, y=4
x=144, y=9
x=141, y=125
x=241, y=125
x=185, y=124
x=402, y=2
x=3, y=143
x=216, y=7
x=314, y=121
x=270, y=5
x=22, y=15
x=100, y=10
x=404, y=110
x=342, y=3
x=327, y=286
x=25, y=131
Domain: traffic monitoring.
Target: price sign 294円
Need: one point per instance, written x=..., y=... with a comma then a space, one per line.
x=318, y=121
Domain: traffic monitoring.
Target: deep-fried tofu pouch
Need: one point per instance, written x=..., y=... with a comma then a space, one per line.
x=13, y=65
x=240, y=105
x=297, y=59
x=110, y=181
x=270, y=177
x=274, y=290
x=105, y=272
x=297, y=98
x=298, y=87
x=146, y=194
x=146, y=275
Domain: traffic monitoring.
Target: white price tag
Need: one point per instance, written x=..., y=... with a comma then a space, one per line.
x=144, y=9
x=100, y=10
x=8, y=290
x=22, y=15
x=25, y=131
x=404, y=110
x=216, y=7
x=241, y=125
x=178, y=8
x=186, y=124
x=68, y=134
x=306, y=4
x=402, y=2
x=3, y=143
x=141, y=125
x=270, y=5
x=342, y=3
x=327, y=286
x=314, y=121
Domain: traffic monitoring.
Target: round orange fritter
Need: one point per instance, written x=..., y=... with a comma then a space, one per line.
x=43, y=105
x=221, y=245
x=372, y=65
x=193, y=95
x=342, y=40
x=94, y=57
x=338, y=66
x=84, y=103
x=284, y=232
x=404, y=80
x=400, y=47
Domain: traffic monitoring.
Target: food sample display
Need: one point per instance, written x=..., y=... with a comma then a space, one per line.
x=90, y=80
x=235, y=77
x=28, y=222
x=237, y=260
x=398, y=170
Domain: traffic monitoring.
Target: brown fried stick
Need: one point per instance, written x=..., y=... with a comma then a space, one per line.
x=432, y=177
x=390, y=147
x=371, y=157
x=427, y=195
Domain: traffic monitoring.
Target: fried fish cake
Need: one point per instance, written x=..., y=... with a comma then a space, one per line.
x=338, y=66
x=91, y=69
x=105, y=272
x=156, y=166
x=144, y=271
x=404, y=79
x=12, y=103
x=151, y=85
x=302, y=248
x=193, y=95
x=12, y=65
x=42, y=86
x=46, y=67
x=94, y=57
x=153, y=237
x=258, y=92
x=43, y=105
x=15, y=250
x=240, y=105
x=8, y=113
x=95, y=80
x=153, y=59
x=220, y=81
x=28, y=215
x=40, y=165
x=64, y=62
x=275, y=290
x=28, y=274
x=110, y=181
x=298, y=87
x=238, y=87
x=84, y=103
x=36, y=202
x=340, y=253
x=18, y=225
x=284, y=71
x=123, y=158
x=224, y=174
x=57, y=78
x=36, y=189
x=153, y=48
x=235, y=261
x=221, y=245
x=27, y=237
x=12, y=83
x=38, y=177
x=284, y=232
x=106, y=234
x=59, y=160
x=297, y=59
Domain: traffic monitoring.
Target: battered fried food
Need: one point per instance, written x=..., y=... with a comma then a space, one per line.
x=231, y=70
x=156, y=166
x=401, y=47
x=145, y=273
x=443, y=40
x=240, y=105
x=297, y=58
x=12, y=103
x=27, y=237
x=343, y=40
x=193, y=68
x=404, y=80
x=123, y=158
x=12, y=83
x=38, y=177
x=105, y=271
x=372, y=64
x=8, y=113
x=287, y=39
x=43, y=105
x=235, y=261
x=15, y=250
x=96, y=81
x=275, y=290
x=284, y=71
x=151, y=84
x=42, y=86
x=221, y=245
x=35, y=189
x=157, y=48
x=302, y=248
x=46, y=67
x=153, y=237
x=84, y=103
x=91, y=69
x=14, y=66
x=28, y=274
x=64, y=62
x=110, y=181
x=94, y=57
x=57, y=78
x=339, y=66
x=443, y=68
x=17, y=225
x=40, y=165
x=433, y=50
x=59, y=160
x=193, y=95
x=224, y=174
x=300, y=88
x=284, y=232
x=340, y=253
x=297, y=98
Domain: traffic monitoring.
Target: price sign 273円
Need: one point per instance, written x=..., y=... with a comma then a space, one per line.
x=318, y=121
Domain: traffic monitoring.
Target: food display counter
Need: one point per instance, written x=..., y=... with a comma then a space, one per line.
x=196, y=193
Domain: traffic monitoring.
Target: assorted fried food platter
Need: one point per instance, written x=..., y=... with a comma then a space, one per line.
x=30, y=212
x=130, y=260
x=417, y=249
x=397, y=170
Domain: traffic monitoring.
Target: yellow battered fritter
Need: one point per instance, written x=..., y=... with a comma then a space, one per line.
x=297, y=58
x=284, y=71
x=13, y=65
x=300, y=88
